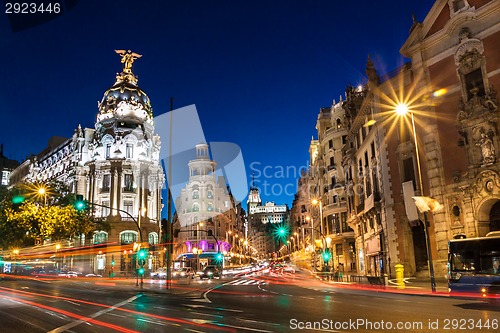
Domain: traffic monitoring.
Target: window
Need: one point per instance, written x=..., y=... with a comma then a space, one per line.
x=210, y=207
x=108, y=150
x=106, y=182
x=129, y=151
x=105, y=208
x=128, y=206
x=196, y=207
x=5, y=178
x=210, y=194
x=196, y=195
x=330, y=144
x=128, y=237
x=408, y=170
x=128, y=182
x=100, y=237
x=153, y=238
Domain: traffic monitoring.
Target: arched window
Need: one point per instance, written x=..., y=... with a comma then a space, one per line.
x=196, y=207
x=153, y=238
x=128, y=237
x=100, y=237
x=196, y=194
x=210, y=207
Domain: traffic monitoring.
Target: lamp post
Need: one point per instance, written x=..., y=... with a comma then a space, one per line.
x=313, y=245
x=402, y=110
x=320, y=204
x=43, y=192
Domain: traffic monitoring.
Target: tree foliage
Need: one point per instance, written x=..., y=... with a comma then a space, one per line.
x=40, y=217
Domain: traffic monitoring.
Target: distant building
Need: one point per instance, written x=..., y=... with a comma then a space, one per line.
x=262, y=220
x=6, y=167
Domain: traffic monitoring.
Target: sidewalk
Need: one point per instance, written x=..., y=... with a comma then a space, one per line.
x=412, y=285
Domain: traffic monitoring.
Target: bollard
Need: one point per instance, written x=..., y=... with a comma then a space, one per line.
x=400, y=273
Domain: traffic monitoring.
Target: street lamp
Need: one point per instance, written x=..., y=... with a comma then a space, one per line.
x=320, y=204
x=402, y=109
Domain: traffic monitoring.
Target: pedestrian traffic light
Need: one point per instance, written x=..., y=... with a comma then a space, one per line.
x=80, y=204
x=327, y=256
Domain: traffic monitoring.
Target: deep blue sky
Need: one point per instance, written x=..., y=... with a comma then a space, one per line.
x=258, y=71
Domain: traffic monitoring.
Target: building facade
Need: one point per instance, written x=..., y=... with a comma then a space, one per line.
x=327, y=207
x=456, y=63
x=206, y=212
x=115, y=167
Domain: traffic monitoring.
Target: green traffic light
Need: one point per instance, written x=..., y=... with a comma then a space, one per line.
x=18, y=199
x=80, y=203
x=326, y=256
x=142, y=254
x=141, y=271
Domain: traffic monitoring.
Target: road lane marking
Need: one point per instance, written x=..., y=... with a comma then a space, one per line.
x=247, y=328
x=95, y=315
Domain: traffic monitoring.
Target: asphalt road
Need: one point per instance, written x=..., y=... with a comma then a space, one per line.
x=261, y=302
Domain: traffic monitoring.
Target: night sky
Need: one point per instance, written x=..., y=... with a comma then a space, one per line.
x=257, y=71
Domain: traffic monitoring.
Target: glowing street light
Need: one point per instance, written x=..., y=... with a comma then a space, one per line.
x=402, y=110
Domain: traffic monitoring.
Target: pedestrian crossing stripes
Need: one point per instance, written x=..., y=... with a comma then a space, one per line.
x=244, y=282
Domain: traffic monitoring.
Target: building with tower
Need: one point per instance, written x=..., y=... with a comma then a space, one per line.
x=205, y=211
x=262, y=220
x=115, y=166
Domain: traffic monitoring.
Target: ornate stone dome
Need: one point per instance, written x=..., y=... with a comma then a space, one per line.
x=125, y=100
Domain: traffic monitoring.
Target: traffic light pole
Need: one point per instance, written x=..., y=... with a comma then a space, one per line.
x=324, y=245
x=140, y=238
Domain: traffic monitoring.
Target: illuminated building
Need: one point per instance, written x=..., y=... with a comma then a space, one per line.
x=116, y=167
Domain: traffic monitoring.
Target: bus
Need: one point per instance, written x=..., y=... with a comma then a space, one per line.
x=474, y=265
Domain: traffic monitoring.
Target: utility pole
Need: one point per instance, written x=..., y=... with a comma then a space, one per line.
x=170, y=226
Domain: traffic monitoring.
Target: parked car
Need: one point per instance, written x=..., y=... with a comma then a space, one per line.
x=184, y=272
x=210, y=272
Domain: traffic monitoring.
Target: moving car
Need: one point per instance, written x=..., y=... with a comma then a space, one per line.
x=184, y=272
x=161, y=274
x=210, y=272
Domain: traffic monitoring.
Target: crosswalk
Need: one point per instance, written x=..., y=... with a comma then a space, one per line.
x=244, y=282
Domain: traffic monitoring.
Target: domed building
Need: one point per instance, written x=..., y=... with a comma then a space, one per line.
x=116, y=168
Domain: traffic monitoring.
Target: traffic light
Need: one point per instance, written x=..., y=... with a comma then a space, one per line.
x=219, y=257
x=282, y=231
x=141, y=271
x=327, y=256
x=17, y=200
x=80, y=204
x=142, y=254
